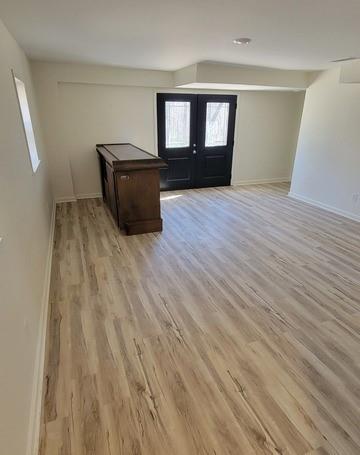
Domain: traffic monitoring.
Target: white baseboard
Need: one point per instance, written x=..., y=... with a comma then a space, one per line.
x=60, y=200
x=36, y=401
x=88, y=195
x=327, y=207
x=262, y=181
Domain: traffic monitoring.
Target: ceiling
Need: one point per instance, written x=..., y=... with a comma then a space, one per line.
x=168, y=34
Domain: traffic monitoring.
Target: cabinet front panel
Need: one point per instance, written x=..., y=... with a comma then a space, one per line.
x=138, y=195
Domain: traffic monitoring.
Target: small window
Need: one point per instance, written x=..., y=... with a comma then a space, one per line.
x=177, y=124
x=217, y=118
x=26, y=119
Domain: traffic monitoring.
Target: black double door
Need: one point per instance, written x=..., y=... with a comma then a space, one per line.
x=196, y=139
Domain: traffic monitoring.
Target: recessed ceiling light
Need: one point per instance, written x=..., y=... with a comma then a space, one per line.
x=242, y=40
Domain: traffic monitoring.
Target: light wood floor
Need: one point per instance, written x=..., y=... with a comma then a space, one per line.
x=235, y=331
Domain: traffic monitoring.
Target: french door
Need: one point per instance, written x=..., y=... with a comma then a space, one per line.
x=196, y=139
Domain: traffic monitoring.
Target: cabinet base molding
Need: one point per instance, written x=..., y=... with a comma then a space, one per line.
x=143, y=227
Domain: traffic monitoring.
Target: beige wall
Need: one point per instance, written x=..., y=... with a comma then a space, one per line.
x=83, y=105
x=91, y=114
x=251, y=75
x=267, y=129
x=327, y=165
x=25, y=212
x=226, y=74
x=48, y=80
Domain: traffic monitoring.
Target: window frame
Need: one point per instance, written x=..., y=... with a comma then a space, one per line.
x=26, y=120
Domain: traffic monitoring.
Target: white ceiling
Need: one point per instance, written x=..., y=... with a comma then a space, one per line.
x=168, y=34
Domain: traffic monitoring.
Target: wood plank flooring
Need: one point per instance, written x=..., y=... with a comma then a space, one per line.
x=235, y=331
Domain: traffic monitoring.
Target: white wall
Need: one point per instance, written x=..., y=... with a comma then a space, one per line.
x=93, y=114
x=217, y=73
x=82, y=105
x=267, y=129
x=48, y=79
x=25, y=212
x=327, y=164
x=250, y=75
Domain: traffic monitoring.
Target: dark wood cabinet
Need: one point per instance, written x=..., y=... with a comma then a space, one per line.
x=130, y=184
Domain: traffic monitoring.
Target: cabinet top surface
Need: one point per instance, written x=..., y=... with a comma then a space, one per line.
x=126, y=152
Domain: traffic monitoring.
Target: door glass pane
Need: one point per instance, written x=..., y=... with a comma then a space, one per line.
x=217, y=119
x=177, y=124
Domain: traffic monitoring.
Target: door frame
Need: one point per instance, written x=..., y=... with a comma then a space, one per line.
x=195, y=92
x=181, y=153
x=232, y=126
x=203, y=99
